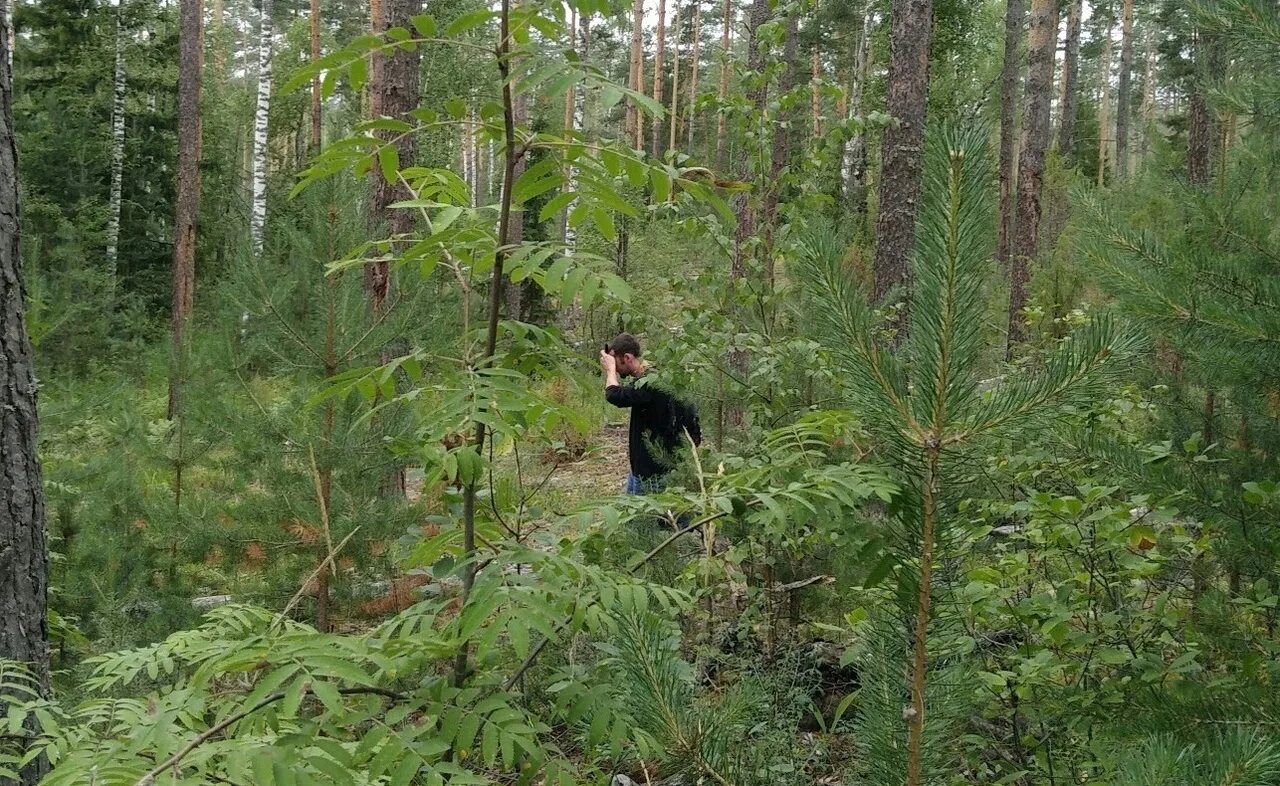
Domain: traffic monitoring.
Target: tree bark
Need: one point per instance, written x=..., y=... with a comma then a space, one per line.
x=815, y=95
x=315, y=82
x=902, y=153
x=1200, y=130
x=635, y=125
x=659, y=51
x=1070, y=78
x=24, y=562
x=1148, y=97
x=693, y=75
x=1122, y=92
x=781, y=154
x=1104, y=97
x=721, y=162
x=855, y=152
x=394, y=92
x=117, y=153
x=1041, y=40
x=1010, y=86
x=187, y=205
x=675, y=77
x=258, y=208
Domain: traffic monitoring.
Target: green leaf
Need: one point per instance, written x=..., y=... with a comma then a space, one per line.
x=425, y=24
x=468, y=21
x=389, y=162
x=556, y=204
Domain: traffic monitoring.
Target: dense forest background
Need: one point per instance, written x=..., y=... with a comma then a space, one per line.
x=979, y=302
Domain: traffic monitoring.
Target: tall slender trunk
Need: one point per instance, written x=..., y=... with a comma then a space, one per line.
x=219, y=51
x=1200, y=130
x=1122, y=91
x=187, y=203
x=24, y=557
x=1010, y=85
x=659, y=51
x=855, y=153
x=781, y=153
x=570, y=100
x=902, y=153
x=258, y=207
x=721, y=161
x=1070, y=79
x=815, y=95
x=1041, y=40
x=315, y=82
x=1104, y=110
x=675, y=76
x=1148, y=97
x=635, y=124
x=924, y=598
x=496, y=287
x=693, y=75
x=117, y=153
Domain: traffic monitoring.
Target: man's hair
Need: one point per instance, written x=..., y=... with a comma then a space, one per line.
x=624, y=344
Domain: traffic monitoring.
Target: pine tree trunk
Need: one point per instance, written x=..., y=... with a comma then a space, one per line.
x=1104, y=110
x=1010, y=86
x=634, y=122
x=1200, y=131
x=187, y=206
x=693, y=76
x=675, y=76
x=219, y=51
x=1070, y=78
x=781, y=154
x=902, y=153
x=258, y=206
x=1041, y=40
x=660, y=47
x=1148, y=97
x=117, y=153
x=721, y=162
x=24, y=561
x=855, y=152
x=815, y=95
x=315, y=82
x=1122, y=92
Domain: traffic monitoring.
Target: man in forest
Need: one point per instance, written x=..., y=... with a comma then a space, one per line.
x=659, y=420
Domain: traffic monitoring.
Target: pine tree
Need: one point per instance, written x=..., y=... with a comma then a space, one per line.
x=1010, y=87
x=1123, y=91
x=1070, y=80
x=727, y=27
x=187, y=207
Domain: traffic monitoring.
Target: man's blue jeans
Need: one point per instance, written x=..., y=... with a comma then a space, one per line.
x=650, y=485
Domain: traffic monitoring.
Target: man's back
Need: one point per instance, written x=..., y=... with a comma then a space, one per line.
x=654, y=435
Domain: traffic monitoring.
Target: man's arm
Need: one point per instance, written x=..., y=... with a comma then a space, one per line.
x=615, y=392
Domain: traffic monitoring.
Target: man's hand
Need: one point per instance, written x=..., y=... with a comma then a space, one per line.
x=610, y=365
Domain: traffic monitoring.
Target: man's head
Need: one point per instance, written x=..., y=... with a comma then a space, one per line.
x=626, y=351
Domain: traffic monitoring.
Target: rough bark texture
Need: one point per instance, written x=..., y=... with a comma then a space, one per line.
x=721, y=161
x=394, y=92
x=190, y=61
x=315, y=83
x=675, y=76
x=1122, y=91
x=1010, y=86
x=693, y=75
x=634, y=124
x=815, y=94
x=745, y=208
x=855, y=152
x=1035, y=139
x=1200, y=130
x=781, y=154
x=1070, y=79
x=1148, y=99
x=117, y=151
x=659, y=51
x=258, y=207
x=902, y=153
x=24, y=568
x=1104, y=107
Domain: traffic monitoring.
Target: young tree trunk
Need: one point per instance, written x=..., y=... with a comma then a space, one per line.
x=117, y=153
x=725, y=41
x=1104, y=110
x=187, y=206
x=567, y=236
x=634, y=123
x=258, y=207
x=1041, y=38
x=902, y=153
x=315, y=82
x=855, y=152
x=24, y=561
x=219, y=51
x=1010, y=86
x=1070, y=77
x=675, y=76
x=1122, y=91
x=781, y=154
x=746, y=215
x=815, y=95
x=1148, y=98
x=693, y=76
x=1200, y=130
x=659, y=51
x=394, y=91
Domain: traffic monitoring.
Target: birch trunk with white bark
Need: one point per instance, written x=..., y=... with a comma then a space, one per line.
x=258, y=207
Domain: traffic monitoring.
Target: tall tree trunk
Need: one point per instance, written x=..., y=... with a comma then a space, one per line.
x=258, y=207
x=1070, y=78
x=659, y=51
x=24, y=560
x=855, y=152
x=394, y=92
x=1200, y=130
x=570, y=123
x=1041, y=40
x=1010, y=86
x=693, y=76
x=635, y=124
x=1104, y=110
x=219, y=51
x=1122, y=91
x=675, y=76
x=187, y=207
x=1148, y=97
x=721, y=162
x=815, y=95
x=315, y=82
x=781, y=154
x=117, y=153
x=902, y=153
x=515, y=231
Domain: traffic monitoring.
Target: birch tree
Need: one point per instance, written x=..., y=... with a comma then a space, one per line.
x=258, y=205
x=117, y=150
